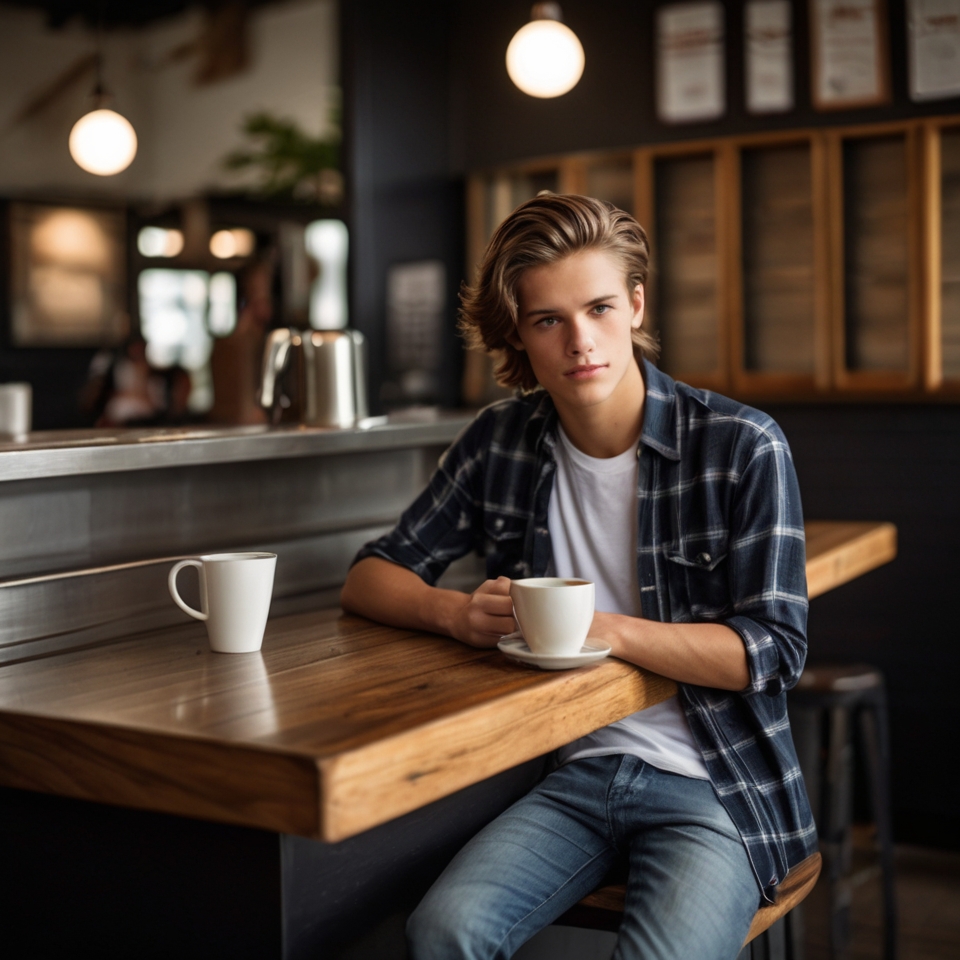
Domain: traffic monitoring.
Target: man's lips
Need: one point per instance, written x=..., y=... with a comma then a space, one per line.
x=584, y=372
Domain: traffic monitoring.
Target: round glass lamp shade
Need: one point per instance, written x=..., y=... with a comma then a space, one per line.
x=103, y=142
x=545, y=58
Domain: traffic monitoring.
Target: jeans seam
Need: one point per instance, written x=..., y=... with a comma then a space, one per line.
x=552, y=896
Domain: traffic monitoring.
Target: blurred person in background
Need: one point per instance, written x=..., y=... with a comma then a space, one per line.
x=237, y=359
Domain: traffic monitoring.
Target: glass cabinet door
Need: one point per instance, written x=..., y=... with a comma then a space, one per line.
x=687, y=257
x=877, y=289
x=779, y=275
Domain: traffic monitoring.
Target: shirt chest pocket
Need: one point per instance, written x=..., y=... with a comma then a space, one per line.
x=698, y=575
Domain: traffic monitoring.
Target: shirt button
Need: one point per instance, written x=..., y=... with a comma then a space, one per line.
x=704, y=558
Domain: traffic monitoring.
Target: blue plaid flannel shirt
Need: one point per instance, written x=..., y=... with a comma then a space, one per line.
x=720, y=539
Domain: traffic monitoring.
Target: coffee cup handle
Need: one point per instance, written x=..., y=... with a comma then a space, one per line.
x=172, y=584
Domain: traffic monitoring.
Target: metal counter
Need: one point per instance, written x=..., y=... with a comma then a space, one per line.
x=75, y=452
x=90, y=521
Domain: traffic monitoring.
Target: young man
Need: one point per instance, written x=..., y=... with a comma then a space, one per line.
x=682, y=506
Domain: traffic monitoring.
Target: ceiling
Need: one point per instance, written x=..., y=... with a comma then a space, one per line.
x=120, y=13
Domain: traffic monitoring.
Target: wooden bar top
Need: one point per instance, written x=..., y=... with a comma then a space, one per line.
x=839, y=551
x=337, y=726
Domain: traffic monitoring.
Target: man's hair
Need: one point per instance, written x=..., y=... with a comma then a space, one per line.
x=544, y=230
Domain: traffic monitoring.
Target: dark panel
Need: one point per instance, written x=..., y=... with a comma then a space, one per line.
x=897, y=463
x=403, y=203
x=84, y=879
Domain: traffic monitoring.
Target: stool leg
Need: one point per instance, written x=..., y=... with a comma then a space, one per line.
x=835, y=830
x=874, y=736
x=794, y=930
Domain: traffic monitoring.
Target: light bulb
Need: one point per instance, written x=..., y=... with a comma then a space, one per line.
x=103, y=142
x=238, y=242
x=545, y=58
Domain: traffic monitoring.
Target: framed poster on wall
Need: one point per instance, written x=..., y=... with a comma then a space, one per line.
x=768, y=35
x=68, y=276
x=934, y=42
x=849, y=49
x=690, y=62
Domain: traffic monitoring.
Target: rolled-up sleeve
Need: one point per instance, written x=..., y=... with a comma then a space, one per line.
x=442, y=524
x=768, y=566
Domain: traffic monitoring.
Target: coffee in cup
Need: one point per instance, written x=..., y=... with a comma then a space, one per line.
x=554, y=613
x=235, y=594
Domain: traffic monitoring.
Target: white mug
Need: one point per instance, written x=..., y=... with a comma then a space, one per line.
x=16, y=402
x=235, y=594
x=554, y=613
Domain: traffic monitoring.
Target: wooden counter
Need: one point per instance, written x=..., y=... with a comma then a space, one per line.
x=839, y=551
x=338, y=726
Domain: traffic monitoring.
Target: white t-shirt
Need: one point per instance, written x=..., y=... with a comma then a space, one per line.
x=592, y=520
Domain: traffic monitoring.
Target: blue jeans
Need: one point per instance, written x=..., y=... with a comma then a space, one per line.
x=691, y=892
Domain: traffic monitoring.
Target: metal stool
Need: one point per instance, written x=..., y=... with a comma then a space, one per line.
x=770, y=936
x=838, y=712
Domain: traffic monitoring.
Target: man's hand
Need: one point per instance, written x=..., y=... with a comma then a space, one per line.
x=391, y=594
x=485, y=615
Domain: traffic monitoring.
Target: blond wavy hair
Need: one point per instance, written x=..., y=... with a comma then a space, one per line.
x=544, y=230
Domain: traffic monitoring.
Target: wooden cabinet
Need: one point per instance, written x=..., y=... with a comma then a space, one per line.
x=800, y=264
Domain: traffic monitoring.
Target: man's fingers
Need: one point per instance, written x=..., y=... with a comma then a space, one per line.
x=494, y=605
x=498, y=587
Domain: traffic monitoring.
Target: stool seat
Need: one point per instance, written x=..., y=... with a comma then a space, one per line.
x=838, y=678
x=603, y=909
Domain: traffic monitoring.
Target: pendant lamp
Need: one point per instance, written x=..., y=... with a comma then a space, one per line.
x=545, y=57
x=102, y=141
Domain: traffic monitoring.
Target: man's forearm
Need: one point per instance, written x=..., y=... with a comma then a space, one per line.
x=706, y=654
x=391, y=594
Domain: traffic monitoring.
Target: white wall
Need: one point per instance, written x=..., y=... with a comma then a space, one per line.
x=183, y=130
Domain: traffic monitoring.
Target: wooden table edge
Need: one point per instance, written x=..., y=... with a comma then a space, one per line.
x=377, y=782
x=874, y=546
x=245, y=784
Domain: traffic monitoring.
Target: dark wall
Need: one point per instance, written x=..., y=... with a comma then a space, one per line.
x=403, y=203
x=897, y=463
x=613, y=105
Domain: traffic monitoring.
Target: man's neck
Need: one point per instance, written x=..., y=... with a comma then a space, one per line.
x=609, y=428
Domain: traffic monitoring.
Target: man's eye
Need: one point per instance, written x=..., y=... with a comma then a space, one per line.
x=549, y=321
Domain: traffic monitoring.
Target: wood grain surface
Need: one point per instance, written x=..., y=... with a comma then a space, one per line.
x=839, y=551
x=338, y=725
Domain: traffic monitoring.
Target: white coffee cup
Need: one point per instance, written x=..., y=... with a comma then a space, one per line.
x=235, y=594
x=554, y=613
x=16, y=404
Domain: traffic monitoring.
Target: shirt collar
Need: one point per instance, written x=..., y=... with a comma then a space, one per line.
x=661, y=426
x=661, y=422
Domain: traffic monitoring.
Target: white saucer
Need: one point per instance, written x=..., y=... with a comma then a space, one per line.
x=515, y=648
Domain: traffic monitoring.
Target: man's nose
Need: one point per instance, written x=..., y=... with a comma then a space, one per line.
x=580, y=338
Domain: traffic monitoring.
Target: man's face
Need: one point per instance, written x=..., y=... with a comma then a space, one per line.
x=574, y=321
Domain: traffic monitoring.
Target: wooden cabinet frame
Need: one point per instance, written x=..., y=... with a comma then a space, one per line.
x=922, y=379
x=863, y=381
x=645, y=204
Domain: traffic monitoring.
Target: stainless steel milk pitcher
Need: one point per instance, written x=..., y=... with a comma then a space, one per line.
x=315, y=377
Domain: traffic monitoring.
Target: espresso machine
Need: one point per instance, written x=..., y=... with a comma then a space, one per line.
x=315, y=377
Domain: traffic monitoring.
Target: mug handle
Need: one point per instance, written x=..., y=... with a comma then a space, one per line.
x=172, y=584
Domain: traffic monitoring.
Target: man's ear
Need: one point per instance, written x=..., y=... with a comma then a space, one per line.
x=638, y=303
x=513, y=338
